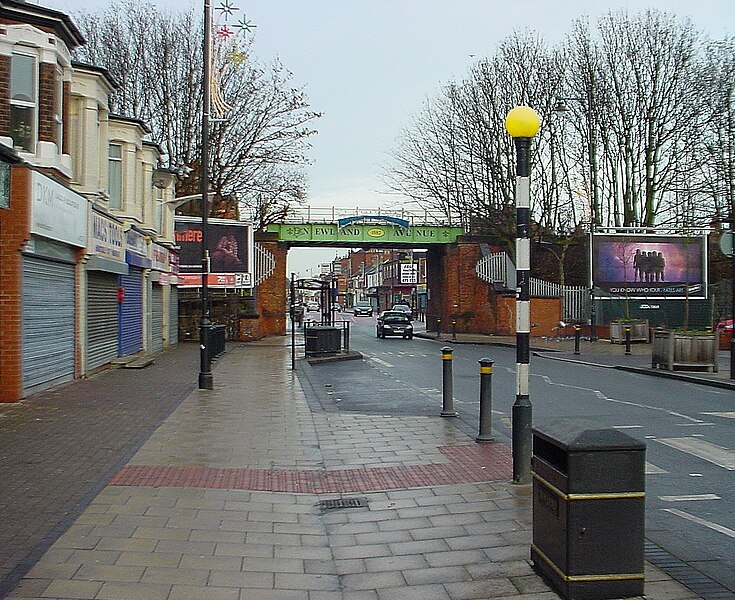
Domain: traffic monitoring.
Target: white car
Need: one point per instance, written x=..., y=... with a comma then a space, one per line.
x=312, y=306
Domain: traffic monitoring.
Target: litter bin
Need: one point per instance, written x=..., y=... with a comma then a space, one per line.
x=322, y=339
x=588, y=511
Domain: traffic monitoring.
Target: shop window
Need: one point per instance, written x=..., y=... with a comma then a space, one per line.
x=23, y=101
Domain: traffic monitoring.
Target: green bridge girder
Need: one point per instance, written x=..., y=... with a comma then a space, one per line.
x=364, y=234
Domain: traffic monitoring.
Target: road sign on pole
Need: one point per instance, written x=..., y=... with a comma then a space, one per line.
x=727, y=243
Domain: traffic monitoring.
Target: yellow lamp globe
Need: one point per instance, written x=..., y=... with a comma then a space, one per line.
x=522, y=122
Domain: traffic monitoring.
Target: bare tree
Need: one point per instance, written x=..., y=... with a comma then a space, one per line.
x=262, y=139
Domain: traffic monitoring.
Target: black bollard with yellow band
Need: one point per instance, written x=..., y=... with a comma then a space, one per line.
x=447, y=385
x=486, y=401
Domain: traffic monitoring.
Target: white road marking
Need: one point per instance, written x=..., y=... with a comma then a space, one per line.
x=652, y=469
x=382, y=362
x=689, y=498
x=722, y=457
x=714, y=526
x=627, y=427
x=726, y=415
x=602, y=396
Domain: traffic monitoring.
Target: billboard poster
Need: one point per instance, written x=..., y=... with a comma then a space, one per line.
x=230, y=245
x=650, y=266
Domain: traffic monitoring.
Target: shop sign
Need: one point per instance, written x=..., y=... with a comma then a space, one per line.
x=57, y=212
x=160, y=258
x=136, y=249
x=107, y=237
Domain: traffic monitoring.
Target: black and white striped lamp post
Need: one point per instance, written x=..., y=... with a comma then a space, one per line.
x=522, y=123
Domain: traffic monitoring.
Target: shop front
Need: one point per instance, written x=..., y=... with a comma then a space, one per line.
x=105, y=264
x=58, y=232
x=132, y=301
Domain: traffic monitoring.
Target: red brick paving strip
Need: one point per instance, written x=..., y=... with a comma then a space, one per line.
x=469, y=463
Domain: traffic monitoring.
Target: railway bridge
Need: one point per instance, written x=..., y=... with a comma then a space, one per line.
x=460, y=286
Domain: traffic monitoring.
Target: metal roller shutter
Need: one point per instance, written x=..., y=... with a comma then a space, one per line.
x=102, y=328
x=157, y=318
x=130, y=312
x=48, y=324
x=174, y=316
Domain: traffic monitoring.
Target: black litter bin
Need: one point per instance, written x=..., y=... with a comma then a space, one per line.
x=322, y=339
x=588, y=511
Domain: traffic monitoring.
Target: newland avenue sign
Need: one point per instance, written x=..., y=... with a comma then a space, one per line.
x=365, y=233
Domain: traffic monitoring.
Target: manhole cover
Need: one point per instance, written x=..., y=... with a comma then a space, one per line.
x=342, y=503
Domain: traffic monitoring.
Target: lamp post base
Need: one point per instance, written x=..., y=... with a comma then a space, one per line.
x=522, y=441
x=206, y=381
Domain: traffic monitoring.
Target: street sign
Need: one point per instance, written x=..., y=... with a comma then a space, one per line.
x=727, y=243
x=409, y=273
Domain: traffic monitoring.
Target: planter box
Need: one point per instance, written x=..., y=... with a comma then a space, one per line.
x=685, y=350
x=638, y=331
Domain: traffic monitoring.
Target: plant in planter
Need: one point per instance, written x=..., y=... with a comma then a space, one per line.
x=638, y=330
x=684, y=348
x=691, y=350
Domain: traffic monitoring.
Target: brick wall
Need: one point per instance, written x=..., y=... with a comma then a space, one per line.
x=271, y=294
x=14, y=232
x=457, y=294
x=545, y=315
x=46, y=93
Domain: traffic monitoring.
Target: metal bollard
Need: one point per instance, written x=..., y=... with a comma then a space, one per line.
x=447, y=386
x=576, y=339
x=438, y=329
x=486, y=401
x=627, y=341
x=454, y=329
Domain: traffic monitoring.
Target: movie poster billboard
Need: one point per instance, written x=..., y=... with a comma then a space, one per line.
x=649, y=266
x=230, y=245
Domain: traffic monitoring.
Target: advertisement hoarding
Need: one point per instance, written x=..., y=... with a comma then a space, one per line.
x=647, y=266
x=230, y=245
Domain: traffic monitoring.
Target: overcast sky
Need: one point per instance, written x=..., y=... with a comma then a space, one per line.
x=368, y=65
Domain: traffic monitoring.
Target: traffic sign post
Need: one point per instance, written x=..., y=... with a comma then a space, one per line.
x=727, y=243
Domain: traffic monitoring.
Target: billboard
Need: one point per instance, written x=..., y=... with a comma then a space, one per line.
x=649, y=266
x=230, y=245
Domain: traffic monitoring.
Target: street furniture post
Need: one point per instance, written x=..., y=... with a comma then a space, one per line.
x=486, y=401
x=522, y=123
x=576, y=338
x=447, y=385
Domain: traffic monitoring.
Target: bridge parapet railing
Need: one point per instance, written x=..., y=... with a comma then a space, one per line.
x=318, y=214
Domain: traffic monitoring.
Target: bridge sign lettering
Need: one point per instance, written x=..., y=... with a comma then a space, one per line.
x=364, y=232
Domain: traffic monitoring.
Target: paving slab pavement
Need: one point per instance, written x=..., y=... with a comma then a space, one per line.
x=221, y=494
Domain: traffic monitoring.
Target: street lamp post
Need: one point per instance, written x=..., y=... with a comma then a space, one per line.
x=206, y=380
x=522, y=123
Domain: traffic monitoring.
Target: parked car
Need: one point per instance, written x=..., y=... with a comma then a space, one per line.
x=312, y=306
x=404, y=308
x=722, y=325
x=362, y=307
x=394, y=323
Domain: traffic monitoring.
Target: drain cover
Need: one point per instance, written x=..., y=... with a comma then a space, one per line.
x=357, y=502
